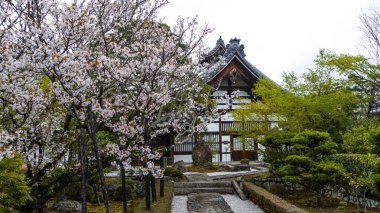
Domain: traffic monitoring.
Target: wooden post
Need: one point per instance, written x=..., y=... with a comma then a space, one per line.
x=220, y=139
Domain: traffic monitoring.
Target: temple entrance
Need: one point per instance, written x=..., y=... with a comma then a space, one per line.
x=238, y=145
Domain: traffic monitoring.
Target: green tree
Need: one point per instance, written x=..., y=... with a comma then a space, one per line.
x=251, y=125
x=306, y=162
x=326, y=176
x=362, y=172
x=317, y=100
x=277, y=147
x=363, y=77
x=14, y=189
x=362, y=139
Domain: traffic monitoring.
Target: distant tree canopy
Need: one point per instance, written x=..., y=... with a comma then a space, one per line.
x=318, y=100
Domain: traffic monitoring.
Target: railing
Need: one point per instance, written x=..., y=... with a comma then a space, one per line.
x=241, y=126
x=186, y=147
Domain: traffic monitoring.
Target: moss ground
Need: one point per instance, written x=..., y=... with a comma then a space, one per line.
x=308, y=201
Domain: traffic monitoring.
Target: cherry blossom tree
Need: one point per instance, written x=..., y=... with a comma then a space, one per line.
x=108, y=65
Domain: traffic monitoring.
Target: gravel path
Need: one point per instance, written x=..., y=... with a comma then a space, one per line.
x=179, y=204
x=212, y=202
x=241, y=206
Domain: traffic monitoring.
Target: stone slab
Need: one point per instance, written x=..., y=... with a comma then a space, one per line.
x=207, y=203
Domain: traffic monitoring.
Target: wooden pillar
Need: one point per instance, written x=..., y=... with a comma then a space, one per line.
x=220, y=139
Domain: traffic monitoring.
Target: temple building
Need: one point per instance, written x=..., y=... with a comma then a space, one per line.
x=235, y=76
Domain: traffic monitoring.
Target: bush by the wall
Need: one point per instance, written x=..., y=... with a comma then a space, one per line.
x=117, y=194
x=244, y=161
x=173, y=172
x=73, y=191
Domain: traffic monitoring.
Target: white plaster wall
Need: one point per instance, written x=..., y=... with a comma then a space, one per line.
x=185, y=158
x=260, y=156
x=215, y=158
x=225, y=158
x=227, y=117
x=212, y=127
x=218, y=93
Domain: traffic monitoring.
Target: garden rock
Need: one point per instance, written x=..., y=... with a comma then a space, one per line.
x=202, y=154
x=180, y=165
x=242, y=167
x=67, y=205
x=235, y=168
x=226, y=167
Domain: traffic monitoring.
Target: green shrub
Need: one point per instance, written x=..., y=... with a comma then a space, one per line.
x=14, y=187
x=327, y=174
x=358, y=163
x=118, y=193
x=244, y=161
x=73, y=191
x=342, y=206
x=375, y=189
x=362, y=171
x=173, y=172
x=92, y=197
x=299, y=161
x=211, y=166
x=204, y=169
x=140, y=188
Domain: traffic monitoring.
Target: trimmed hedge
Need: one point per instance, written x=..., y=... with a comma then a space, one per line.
x=358, y=163
x=268, y=201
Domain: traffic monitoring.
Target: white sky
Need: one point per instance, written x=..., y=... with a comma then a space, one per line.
x=279, y=35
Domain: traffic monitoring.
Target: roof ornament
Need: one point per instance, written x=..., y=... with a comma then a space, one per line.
x=220, y=41
x=234, y=47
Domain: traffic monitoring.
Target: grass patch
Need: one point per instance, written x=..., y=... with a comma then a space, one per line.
x=204, y=169
x=163, y=204
x=116, y=206
x=263, y=175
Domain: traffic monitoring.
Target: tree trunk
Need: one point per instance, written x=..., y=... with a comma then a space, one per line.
x=162, y=181
x=153, y=185
x=147, y=177
x=99, y=161
x=83, y=168
x=147, y=191
x=162, y=187
x=123, y=189
x=95, y=190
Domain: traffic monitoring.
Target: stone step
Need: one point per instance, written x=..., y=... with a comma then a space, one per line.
x=238, y=190
x=186, y=191
x=214, y=184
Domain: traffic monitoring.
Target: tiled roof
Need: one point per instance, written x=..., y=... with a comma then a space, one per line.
x=214, y=51
x=233, y=50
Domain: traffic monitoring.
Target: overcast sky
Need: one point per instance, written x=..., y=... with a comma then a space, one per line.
x=279, y=35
